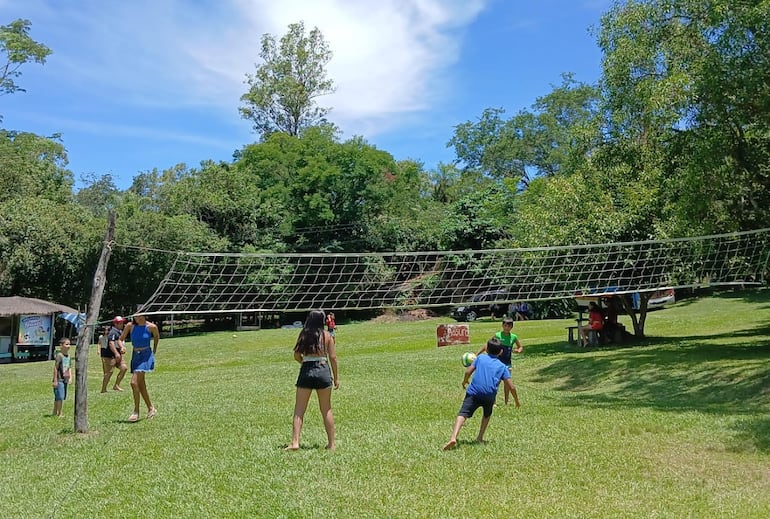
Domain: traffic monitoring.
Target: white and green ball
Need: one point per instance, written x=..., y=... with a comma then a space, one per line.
x=468, y=358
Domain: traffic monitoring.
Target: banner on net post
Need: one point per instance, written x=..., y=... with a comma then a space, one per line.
x=453, y=334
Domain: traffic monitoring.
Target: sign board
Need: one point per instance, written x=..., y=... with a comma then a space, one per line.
x=34, y=330
x=453, y=334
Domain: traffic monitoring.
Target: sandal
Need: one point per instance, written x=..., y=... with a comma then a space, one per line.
x=133, y=417
x=151, y=413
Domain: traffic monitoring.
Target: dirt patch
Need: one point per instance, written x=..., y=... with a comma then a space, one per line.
x=419, y=314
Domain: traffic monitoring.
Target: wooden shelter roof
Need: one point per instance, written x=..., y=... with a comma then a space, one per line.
x=27, y=305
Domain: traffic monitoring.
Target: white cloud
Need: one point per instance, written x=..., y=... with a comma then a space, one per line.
x=390, y=56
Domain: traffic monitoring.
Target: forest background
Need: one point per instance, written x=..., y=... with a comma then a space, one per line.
x=673, y=140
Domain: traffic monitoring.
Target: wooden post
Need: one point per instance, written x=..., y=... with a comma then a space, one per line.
x=86, y=332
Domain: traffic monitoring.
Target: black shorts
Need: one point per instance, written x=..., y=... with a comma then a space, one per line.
x=315, y=374
x=473, y=402
x=106, y=353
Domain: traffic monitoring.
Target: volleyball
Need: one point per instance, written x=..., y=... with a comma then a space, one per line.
x=468, y=358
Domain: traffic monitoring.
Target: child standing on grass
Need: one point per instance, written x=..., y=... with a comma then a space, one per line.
x=62, y=376
x=487, y=371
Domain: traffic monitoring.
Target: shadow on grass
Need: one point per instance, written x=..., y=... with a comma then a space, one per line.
x=469, y=443
x=305, y=447
x=692, y=373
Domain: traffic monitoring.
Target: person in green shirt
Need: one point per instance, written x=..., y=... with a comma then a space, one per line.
x=508, y=339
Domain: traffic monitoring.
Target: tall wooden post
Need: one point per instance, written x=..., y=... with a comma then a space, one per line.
x=86, y=332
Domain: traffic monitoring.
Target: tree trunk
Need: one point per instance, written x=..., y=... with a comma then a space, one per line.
x=87, y=331
x=638, y=317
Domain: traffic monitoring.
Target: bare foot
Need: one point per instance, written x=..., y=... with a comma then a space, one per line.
x=450, y=445
x=292, y=448
x=115, y=388
x=104, y=390
x=330, y=447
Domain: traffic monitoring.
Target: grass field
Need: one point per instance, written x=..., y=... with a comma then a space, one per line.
x=678, y=426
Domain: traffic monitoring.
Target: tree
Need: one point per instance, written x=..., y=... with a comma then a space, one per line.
x=18, y=48
x=100, y=194
x=552, y=139
x=283, y=90
x=315, y=192
x=686, y=87
x=32, y=166
x=48, y=249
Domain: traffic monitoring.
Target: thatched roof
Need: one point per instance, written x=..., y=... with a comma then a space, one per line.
x=27, y=305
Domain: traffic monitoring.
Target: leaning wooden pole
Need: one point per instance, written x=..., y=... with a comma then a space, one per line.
x=86, y=332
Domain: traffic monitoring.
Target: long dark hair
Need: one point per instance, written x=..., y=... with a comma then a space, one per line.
x=311, y=339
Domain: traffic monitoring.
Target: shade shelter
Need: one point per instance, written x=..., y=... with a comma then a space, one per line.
x=27, y=328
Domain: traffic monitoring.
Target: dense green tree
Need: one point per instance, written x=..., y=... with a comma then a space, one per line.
x=48, y=249
x=408, y=219
x=16, y=49
x=145, y=244
x=316, y=192
x=554, y=138
x=686, y=86
x=100, y=194
x=32, y=166
x=283, y=92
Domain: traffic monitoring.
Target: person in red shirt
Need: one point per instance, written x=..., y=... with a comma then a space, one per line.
x=595, y=322
x=330, y=324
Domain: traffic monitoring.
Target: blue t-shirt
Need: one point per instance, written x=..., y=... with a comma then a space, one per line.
x=489, y=372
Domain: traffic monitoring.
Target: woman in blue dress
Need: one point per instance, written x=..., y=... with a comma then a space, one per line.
x=142, y=333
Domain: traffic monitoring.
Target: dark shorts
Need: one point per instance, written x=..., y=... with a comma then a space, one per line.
x=106, y=353
x=315, y=374
x=473, y=402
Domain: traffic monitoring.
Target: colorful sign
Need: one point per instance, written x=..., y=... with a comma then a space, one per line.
x=34, y=330
x=453, y=334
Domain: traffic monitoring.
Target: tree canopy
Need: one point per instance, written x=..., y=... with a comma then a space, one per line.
x=283, y=92
x=17, y=48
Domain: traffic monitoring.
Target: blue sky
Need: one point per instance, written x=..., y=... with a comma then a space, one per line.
x=142, y=84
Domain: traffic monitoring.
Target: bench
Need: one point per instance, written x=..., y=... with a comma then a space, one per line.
x=571, y=332
x=573, y=335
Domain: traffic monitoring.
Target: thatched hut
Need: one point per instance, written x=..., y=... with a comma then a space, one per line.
x=27, y=328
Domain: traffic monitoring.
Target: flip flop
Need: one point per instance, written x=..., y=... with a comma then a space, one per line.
x=151, y=413
x=133, y=417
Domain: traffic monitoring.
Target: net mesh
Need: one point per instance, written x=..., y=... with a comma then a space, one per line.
x=208, y=283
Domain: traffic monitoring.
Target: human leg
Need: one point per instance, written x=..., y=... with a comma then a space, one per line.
x=136, y=393
x=459, y=422
x=107, y=366
x=145, y=395
x=515, y=394
x=59, y=394
x=121, y=373
x=488, y=406
x=483, y=428
x=584, y=334
x=300, y=406
x=468, y=407
x=325, y=404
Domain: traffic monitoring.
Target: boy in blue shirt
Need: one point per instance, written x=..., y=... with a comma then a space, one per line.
x=487, y=371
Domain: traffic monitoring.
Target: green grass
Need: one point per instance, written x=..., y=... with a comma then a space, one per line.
x=678, y=426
